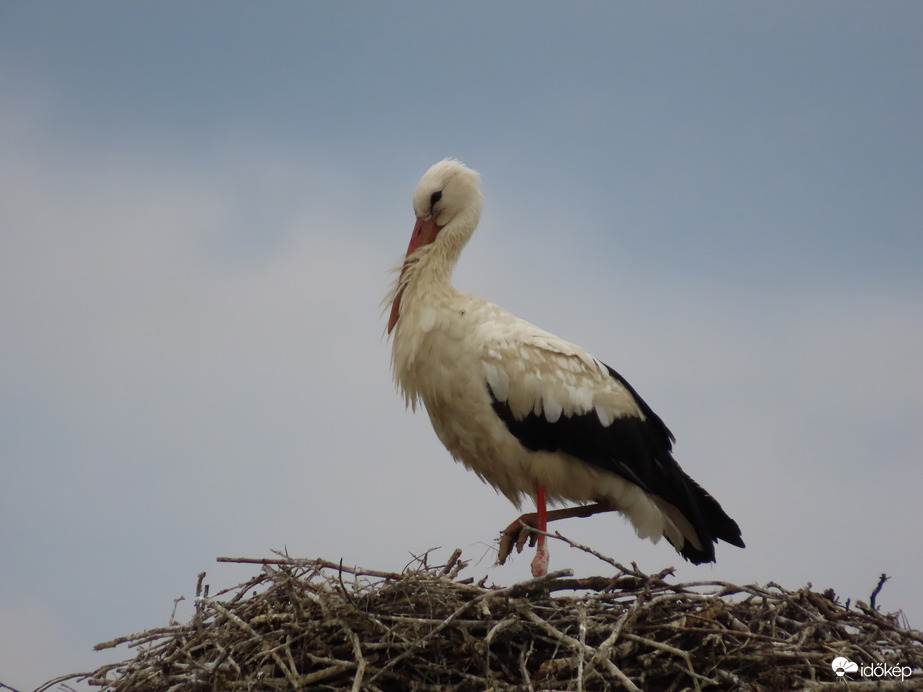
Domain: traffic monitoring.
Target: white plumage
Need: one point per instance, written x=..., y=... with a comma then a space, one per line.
x=523, y=408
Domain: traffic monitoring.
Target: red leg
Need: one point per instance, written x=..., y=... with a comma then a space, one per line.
x=540, y=561
x=542, y=509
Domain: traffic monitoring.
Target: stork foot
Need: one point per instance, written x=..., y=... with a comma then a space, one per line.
x=516, y=535
x=540, y=561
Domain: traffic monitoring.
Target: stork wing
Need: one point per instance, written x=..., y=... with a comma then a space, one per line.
x=554, y=396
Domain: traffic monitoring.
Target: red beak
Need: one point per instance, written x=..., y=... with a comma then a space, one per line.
x=424, y=232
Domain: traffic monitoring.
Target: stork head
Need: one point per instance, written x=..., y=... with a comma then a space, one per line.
x=447, y=203
x=448, y=190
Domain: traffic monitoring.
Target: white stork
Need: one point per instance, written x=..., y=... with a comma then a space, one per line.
x=530, y=413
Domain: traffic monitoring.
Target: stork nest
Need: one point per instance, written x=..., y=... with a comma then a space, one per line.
x=319, y=625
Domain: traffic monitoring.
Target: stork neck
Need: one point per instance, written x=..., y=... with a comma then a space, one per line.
x=436, y=266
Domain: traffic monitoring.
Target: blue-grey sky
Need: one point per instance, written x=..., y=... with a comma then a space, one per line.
x=200, y=203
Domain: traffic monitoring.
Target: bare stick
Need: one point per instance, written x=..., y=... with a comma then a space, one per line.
x=881, y=582
x=299, y=562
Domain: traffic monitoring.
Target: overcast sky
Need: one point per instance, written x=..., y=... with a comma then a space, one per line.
x=200, y=203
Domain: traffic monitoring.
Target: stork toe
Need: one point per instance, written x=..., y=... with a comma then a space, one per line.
x=516, y=535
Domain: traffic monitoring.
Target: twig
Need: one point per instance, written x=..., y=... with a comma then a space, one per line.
x=881, y=582
x=318, y=563
x=633, y=571
x=450, y=563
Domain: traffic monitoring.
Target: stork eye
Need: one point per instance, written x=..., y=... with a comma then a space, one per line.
x=435, y=197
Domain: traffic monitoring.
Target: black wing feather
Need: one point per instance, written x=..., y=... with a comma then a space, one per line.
x=639, y=450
